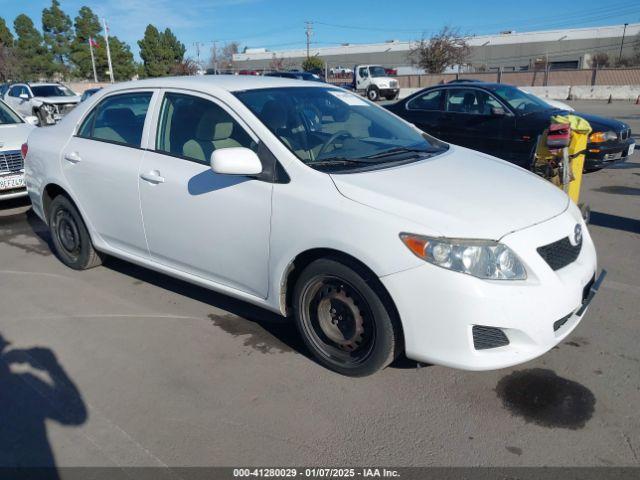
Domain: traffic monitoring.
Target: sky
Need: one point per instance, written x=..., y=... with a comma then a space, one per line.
x=280, y=24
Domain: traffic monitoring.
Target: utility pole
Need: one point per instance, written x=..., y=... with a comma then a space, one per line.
x=309, y=34
x=106, y=41
x=198, y=45
x=214, y=52
x=624, y=31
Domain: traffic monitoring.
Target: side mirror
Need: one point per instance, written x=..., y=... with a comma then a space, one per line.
x=24, y=96
x=235, y=161
x=32, y=120
x=498, y=112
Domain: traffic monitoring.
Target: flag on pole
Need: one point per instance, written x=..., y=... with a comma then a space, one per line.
x=93, y=43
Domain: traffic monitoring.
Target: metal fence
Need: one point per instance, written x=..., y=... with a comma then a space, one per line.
x=542, y=78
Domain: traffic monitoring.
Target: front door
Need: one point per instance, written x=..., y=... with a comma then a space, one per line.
x=476, y=120
x=196, y=221
x=20, y=105
x=101, y=163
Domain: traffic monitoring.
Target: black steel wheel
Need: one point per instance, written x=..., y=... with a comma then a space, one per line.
x=343, y=319
x=71, y=240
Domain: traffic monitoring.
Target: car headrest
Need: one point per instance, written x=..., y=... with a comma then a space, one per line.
x=214, y=125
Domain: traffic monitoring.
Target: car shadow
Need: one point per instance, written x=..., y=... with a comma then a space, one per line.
x=618, y=190
x=615, y=222
x=207, y=182
x=28, y=402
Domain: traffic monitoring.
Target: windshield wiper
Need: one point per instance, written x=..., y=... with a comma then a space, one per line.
x=337, y=161
x=396, y=150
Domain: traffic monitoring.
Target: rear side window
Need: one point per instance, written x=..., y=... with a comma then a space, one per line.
x=429, y=101
x=118, y=119
x=192, y=128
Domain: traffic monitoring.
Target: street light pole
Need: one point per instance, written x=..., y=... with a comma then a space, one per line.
x=624, y=31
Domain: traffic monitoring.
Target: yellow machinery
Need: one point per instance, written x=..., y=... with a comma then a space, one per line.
x=563, y=165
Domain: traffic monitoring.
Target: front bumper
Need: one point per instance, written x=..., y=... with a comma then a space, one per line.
x=439, y=308
x=607, y=154
x=388, y=92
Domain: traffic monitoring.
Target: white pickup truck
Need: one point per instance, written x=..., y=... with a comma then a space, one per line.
x=374, y=82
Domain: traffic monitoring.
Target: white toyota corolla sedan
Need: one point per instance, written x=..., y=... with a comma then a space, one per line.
x=307, y=199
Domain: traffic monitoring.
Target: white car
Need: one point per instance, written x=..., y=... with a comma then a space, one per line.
x=47, y=101
x=304, y=198
x=14, y=131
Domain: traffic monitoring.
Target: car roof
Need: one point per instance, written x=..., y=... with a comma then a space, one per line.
x=43, y=84
x=212, y=83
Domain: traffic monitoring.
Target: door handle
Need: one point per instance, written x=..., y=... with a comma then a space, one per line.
x=152, y=177
x=72, y=157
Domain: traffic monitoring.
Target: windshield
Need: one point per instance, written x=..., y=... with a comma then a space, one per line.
x=520, y=101
x=51, y=91
x=327, y=127
x=377, y=72
x=7, y=116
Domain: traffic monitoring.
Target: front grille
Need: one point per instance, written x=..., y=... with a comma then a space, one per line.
x=560, y=254
x=64, y=108
x=11, y=161
x=488, y=337
x=624, y=134
x=393, y=84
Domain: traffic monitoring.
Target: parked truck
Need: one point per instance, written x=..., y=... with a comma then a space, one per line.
x=374, y=82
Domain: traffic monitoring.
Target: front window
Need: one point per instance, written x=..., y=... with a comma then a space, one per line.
x=332, y=128
x=51, y=91
x=377, y=72
x=521, y=102
x=7, y=116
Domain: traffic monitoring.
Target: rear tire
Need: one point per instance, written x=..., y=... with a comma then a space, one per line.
x=344, y=319
x=71, y=239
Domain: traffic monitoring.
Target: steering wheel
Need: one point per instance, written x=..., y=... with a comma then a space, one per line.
x=332, y=140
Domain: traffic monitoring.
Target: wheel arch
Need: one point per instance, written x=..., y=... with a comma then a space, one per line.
x=303, y=259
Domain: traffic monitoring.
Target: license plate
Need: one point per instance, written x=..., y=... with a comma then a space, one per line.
x=11, y=181
x=631, y=148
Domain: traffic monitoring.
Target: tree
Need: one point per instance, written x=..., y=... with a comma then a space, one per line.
x=279, y=64
x=188, y=66
x=56, y=26
x=444, y=49
x=312, y=63
x=599, y=60
x=160, y=52
x=6, y=37
x=35, y=59
x=86, y=25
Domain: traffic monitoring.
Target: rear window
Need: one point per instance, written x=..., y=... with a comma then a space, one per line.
x=118, y=119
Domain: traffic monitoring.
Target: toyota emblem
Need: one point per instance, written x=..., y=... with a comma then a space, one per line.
x=577, y=234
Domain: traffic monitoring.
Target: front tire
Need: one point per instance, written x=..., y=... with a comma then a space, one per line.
x=71, y=239
x=344, y=319
x=373, y=94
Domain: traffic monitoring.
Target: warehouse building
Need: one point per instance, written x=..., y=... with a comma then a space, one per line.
x=511, y=51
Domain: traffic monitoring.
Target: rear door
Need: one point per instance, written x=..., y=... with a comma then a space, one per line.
x=101, y=163
x=425, y=111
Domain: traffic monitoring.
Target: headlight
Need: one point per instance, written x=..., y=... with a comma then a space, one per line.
x=481, y=258
x=599, y=137
x=383, y=85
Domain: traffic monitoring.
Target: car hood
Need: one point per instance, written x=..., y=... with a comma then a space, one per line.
x=461, y=193
x=58, y=100
x=13, y=136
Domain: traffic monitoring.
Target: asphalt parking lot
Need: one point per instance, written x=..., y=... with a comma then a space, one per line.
x=126, y=367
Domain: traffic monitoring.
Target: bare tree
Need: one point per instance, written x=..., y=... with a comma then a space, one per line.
x=222, y=57
x=444, y=49
x=599, y=60
x=279, y=64
x=188, y=66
